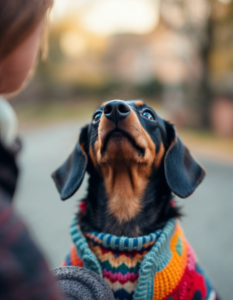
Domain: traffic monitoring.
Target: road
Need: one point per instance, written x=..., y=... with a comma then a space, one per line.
x=208, y=220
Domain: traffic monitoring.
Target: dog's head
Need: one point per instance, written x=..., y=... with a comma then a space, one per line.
x=128, y=146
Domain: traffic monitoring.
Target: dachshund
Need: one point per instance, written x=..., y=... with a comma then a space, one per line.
x=136, y=162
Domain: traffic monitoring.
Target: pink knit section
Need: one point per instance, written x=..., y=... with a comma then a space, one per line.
x=113, y=277
x=191, y=263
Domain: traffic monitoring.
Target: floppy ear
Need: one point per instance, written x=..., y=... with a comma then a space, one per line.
x=69, y=176
x=183, y=174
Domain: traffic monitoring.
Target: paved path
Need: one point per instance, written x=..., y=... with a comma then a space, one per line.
x=208, y=220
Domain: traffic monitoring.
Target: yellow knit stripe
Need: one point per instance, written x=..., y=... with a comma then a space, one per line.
x=117, y=261
x=128, y=286
x=168, y=278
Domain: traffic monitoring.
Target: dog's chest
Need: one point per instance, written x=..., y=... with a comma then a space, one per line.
x=160, y=266
x=120, y=269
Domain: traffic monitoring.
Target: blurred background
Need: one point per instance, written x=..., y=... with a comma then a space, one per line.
x=176, y=55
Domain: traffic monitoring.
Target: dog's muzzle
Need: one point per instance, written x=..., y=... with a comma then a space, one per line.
x=116, y=111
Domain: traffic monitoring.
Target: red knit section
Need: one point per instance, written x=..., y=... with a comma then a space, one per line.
x=172, y=202
x=82, y=207
x=191, y=287
x=128, y=254
x=119, y=277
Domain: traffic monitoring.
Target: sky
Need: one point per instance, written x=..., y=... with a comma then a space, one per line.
x=106, y=17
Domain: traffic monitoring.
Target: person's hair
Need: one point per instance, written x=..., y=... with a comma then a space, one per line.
x=18, y=18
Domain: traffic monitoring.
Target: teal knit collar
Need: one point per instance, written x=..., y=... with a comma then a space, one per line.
x=154, y=261
x=123, y=243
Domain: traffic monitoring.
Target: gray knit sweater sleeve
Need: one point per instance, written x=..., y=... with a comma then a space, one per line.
x=82, y=284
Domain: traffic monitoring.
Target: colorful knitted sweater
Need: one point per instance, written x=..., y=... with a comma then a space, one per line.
x=160, y=266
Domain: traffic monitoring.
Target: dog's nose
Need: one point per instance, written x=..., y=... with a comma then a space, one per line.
x=116, y=110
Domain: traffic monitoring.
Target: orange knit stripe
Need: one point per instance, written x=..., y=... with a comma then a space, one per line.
x=92, y=236
x=117, y=261
x=64, y=263
x=75, y=260
x=168, y=278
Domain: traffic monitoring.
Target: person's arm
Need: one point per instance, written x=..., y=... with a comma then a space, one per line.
x=24, y=274
x=80, y=283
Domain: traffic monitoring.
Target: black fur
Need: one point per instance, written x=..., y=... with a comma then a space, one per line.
x=178, y=173
x=157, y=208
x=188, y=173
x=69, y=176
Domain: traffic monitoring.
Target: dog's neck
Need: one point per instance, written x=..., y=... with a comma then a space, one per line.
x=125, y=184
x=127, y=204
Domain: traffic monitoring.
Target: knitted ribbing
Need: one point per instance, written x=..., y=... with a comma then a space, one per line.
x=120, y=259
x=168, y=270
x=122, y=243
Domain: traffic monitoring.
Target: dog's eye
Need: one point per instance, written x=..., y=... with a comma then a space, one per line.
x=96, y=117
x=148, y=115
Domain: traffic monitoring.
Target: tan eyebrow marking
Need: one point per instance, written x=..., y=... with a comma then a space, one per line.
x=159, y=155
x=92, y=156
x=139, y=103
x=104, y=103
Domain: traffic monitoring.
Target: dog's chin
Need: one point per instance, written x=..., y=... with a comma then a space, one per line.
x=120, y=145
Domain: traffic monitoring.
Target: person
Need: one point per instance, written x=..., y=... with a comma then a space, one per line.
x=24, y=273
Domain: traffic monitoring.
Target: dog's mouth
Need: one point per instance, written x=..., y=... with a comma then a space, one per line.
x=119, y=134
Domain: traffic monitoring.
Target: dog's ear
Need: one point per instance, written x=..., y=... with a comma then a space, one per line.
x=69, y=176
x=183, y=174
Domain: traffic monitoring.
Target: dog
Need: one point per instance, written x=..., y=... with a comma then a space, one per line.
x=126, y=229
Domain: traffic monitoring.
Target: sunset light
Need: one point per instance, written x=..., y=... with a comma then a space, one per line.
x=106, y=17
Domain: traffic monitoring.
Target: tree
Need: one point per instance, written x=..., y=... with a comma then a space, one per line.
x=200, y=21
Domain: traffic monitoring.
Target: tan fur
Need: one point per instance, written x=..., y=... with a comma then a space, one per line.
x=139, y=103
x=159, y=155
x=137, y=231
x=82, y=146
x=92, y=156
x=125, y=173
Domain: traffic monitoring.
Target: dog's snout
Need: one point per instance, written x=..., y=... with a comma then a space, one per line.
x=116, y=110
